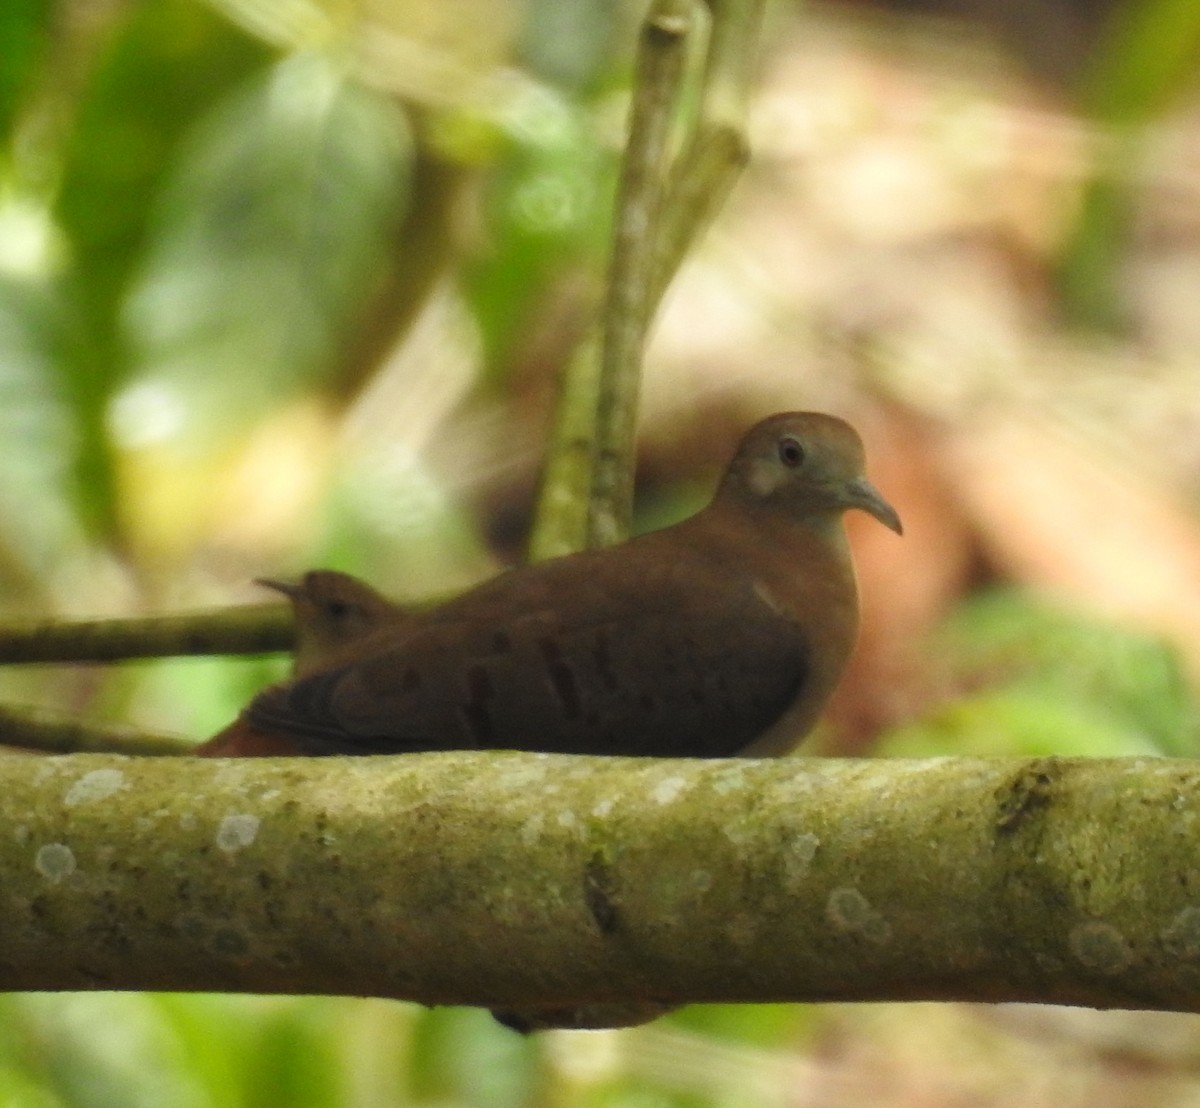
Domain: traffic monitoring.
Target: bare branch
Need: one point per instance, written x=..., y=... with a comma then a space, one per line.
x=658, y=86
x=37, y=729
x=249, y=629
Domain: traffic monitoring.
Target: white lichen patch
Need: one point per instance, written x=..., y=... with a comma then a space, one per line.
x=1100, y=946
x=21, y=834
x=728, y=780
x=702, y=880
x=1182, y=935
x=54, y=861
x=567, y=819
x=740, y=832
x=798, y=857
x=531, y=829
x=803, y=847
x=96, y=784
x=668, y=790
x=603, y=807
x=237, y=832
x=849, y=911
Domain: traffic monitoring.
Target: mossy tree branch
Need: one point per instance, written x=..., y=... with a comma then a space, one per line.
x=525, y=881
x=675, y=175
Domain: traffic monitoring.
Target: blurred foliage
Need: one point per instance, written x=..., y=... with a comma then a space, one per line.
x=26, y=26
x=549, y=204
x=279, y=213
x=143, y=84
x=1146, y=60
x=197, y=230
x=1025, y=678
x=211, y=216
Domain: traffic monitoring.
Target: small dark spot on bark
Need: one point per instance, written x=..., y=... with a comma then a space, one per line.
x=411, y=680
x=647, y=702
x=501, y=643
x=228, y=943
x=1025, y=795
x=600, y=892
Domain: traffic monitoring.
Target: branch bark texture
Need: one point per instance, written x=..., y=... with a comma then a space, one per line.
x=516, y=881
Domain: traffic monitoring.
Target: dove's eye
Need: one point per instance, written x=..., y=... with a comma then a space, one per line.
x=791, y=453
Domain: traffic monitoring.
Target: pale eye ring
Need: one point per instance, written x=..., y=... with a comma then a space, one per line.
x=791, y=453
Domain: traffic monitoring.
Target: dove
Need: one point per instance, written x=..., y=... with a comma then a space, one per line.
x=332, y=610
x=721, y=635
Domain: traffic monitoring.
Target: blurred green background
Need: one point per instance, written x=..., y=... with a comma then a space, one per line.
x=288, y=284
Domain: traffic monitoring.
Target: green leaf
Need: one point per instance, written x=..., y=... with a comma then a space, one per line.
x=24, y=31
x=38, y=439
x=548, y=209
x=274, y=230
x=103, y=1050
x=1051, y=681
x=162, y=65
x=1146, y=56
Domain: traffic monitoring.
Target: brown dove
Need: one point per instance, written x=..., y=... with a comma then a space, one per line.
x=332, y=610
x=721, y=635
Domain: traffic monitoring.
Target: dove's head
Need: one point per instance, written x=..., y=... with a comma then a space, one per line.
x=334, y=607
x=807, y=465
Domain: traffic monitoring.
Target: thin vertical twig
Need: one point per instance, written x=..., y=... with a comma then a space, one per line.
x=663, y=205
x=658, y=84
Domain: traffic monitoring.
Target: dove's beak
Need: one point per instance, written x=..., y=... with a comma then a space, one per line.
x=860, y=493
x=286, y=587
